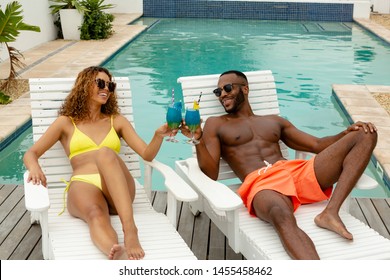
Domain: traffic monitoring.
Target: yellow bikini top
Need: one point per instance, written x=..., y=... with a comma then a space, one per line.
x=80, y=143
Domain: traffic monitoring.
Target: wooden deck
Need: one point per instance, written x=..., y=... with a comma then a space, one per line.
x=19, y=240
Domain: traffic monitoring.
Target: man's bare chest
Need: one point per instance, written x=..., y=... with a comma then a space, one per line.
x=240, y=132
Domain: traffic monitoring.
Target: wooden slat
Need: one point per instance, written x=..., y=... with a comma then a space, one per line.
x=230, y=254
x=185, y=226
x=160, y=202
x=8, y=207
x=356, y=211
x=17, y=235
x=5, y=191
x=28, y=236
x=200, y=237
x=216, y=244
x=36, y=253
x=371, y=215
x=369, y=207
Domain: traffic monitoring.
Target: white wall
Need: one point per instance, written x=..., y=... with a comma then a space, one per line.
x=381, y=6
x=126, y=6
x=361, y=9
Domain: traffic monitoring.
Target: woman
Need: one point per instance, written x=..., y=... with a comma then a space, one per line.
x=89, y=127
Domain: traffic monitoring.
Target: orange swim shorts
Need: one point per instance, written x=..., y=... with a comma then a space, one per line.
x=293, y=178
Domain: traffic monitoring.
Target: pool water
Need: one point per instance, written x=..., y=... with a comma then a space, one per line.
x=306, y=58
x=11, y=159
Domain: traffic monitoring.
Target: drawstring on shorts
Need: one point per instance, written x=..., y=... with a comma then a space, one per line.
x=265, y=168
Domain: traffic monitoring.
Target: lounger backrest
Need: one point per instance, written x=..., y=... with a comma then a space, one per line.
x=47, y=96
x=262, y=96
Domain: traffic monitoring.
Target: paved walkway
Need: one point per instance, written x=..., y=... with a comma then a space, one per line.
x=61, y=58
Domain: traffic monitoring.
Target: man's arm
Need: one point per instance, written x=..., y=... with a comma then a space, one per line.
x=299, y=140
x=208, y=151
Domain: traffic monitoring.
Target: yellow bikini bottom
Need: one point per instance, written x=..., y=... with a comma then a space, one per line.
x=93, y=179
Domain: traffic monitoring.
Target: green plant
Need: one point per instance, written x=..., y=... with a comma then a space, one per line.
x=11, y=23
x=97, y=24
x=58, y=5
x=4, y=99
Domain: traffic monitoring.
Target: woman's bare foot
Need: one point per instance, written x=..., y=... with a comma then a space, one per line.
x=117, y=252
x=133, y=246
x=333, y=223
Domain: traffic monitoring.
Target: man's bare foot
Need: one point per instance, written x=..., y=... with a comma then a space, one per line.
x=133, y=247
x=117, y=252
x=333, y=223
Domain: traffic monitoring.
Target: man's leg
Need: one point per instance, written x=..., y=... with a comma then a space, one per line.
x=277, y=209
x=343, y=162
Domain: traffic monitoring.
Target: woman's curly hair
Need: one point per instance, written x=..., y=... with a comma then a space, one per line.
x=75, y=104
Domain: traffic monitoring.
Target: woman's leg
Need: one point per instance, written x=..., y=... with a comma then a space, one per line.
x=87, y=202
x=119, y=190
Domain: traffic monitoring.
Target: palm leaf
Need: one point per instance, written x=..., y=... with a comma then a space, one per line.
x=11, y=23
x=16, y=62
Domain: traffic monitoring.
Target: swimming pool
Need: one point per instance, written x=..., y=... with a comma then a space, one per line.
x=305, y=57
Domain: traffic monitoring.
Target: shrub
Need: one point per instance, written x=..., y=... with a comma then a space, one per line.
x=97, y=24
x=4, y=99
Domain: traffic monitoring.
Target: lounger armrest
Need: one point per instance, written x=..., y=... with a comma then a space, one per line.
x=219, y=196
x=365, y=182
x=303, y=155
x=173, y=182
x=36, y=196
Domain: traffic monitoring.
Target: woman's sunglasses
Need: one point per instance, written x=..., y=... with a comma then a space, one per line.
x=102, y=84
x=227, y=88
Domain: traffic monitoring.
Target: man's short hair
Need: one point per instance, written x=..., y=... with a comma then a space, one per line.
x=238, y=73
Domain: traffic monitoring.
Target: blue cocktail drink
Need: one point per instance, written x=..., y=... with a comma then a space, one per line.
x=192, y=119
x=174, y=118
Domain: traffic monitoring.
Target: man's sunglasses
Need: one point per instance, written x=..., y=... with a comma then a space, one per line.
x=102, y=84
x=227, y=88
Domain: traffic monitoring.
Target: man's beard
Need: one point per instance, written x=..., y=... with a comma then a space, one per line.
x=237, y=101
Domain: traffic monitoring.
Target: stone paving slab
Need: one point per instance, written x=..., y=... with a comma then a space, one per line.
x=360, y=105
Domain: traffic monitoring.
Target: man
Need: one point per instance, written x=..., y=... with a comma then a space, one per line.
x=273, y=187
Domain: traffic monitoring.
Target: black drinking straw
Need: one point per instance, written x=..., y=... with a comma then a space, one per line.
x=199, y=97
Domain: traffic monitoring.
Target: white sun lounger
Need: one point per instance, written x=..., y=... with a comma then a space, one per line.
x=249, y=235
x=66, y=237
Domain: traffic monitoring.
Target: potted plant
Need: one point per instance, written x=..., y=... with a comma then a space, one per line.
x=97, y=24
x=70, y=16
x=11, y=23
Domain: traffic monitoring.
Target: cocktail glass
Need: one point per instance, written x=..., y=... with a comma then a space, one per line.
x=174, y=119
x=192, y=119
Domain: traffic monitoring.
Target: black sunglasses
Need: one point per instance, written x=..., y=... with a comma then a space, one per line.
x=102, y=84
x=227, y=88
